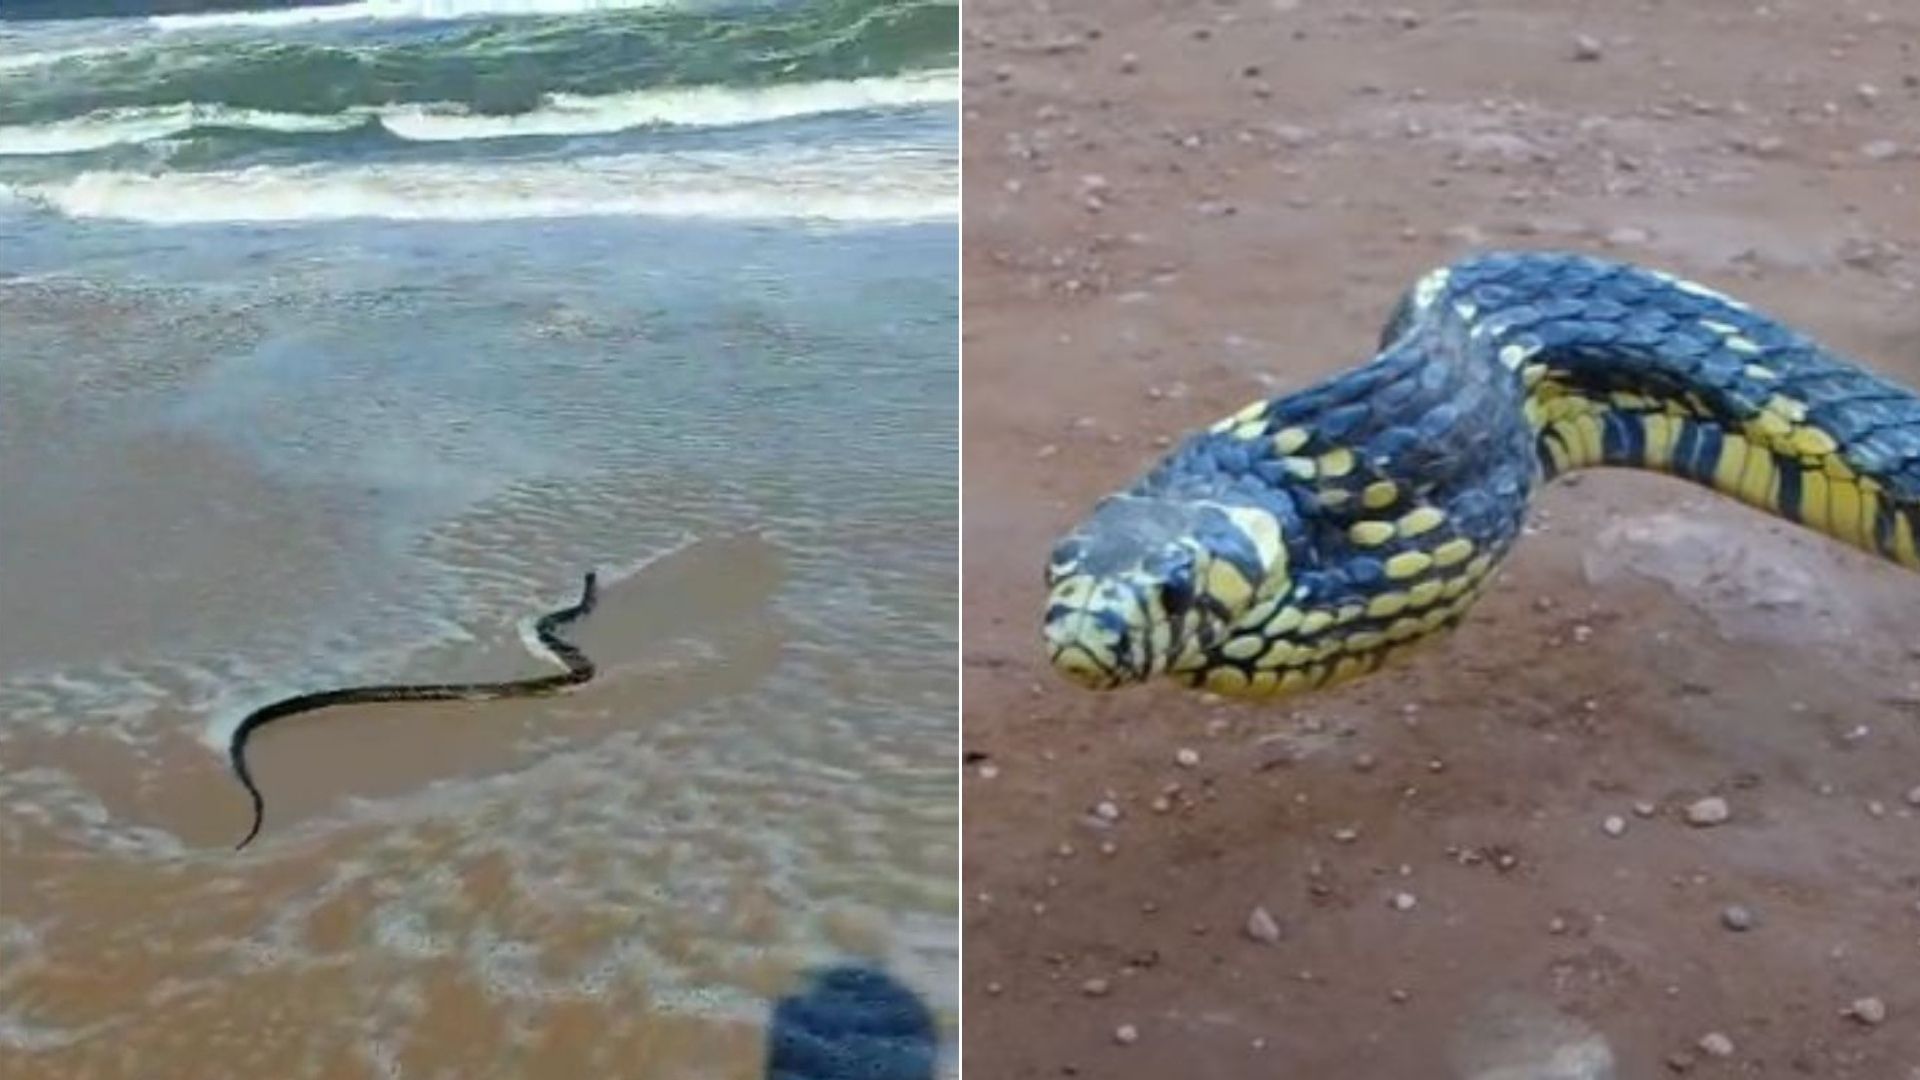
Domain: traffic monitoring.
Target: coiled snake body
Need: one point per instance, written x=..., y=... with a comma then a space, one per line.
x=579, y=670
x=1306, y=539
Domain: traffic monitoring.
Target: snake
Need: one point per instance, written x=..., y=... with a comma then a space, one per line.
x=579, y=669
x=1311, y=537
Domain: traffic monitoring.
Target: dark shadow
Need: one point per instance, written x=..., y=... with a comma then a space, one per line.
x=851, y=1023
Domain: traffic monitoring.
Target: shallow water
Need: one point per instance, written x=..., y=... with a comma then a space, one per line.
x=247, y=454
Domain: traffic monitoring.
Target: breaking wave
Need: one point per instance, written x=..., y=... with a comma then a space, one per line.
x=841, y=185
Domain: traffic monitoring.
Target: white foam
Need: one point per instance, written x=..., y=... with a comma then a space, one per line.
x=560, y=114
x=855, y=184
x=702, y=106
x=21, y=61
x=112, y=127
x=410, y=10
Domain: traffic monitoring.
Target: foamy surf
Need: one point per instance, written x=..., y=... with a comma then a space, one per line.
x=838, y=185
x=687, y=106
x=115, y=127
x=21, y=61
x=562, y=114
x=391, y=10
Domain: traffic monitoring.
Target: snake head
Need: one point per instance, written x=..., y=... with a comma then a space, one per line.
x=1149, y=580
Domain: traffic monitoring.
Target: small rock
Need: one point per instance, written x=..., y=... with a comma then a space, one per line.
x=1586, y=48
x=1096, y=987
x=1614, y=825
x=1403, y=901
x=1913, y=795
x=1644, y=809
x=1126, y=1034
x=1880, y=150
x=1626, y=236
x=1186, y=757
x=1262, y=926
x=1346, y=835
x=1107, y=810
x=1364, y=762
x=1680, y=1061
x=1736, y=917
x=1715, y=1044
x=1711, y=810
x=1868, y=1010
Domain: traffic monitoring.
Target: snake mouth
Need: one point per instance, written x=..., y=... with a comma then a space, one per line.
x=1084, y=668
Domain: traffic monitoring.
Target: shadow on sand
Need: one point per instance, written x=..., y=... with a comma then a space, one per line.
x=851, y=1023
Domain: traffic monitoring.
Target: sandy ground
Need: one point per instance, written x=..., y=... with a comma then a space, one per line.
x=1175, y=208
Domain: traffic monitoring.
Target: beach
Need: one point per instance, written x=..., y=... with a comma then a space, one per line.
x=336, y=344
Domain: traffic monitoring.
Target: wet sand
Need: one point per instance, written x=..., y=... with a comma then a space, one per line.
x=316, y=458
x=381, y=926
x=1172, y=211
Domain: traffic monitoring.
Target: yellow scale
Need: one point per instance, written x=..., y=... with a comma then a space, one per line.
x=1834, y=498
x=1286, y=648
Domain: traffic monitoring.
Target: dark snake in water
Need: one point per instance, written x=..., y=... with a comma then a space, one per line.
x=1309, y=538
x=579, y=670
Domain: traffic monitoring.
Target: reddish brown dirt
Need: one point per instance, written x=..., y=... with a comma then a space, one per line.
x=1172, y=209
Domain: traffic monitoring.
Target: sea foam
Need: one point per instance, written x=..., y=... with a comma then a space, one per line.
x=852, y=184
x=558, y=115
x=413, y=10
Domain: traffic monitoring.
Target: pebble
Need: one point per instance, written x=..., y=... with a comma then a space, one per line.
x=1403, y=901
x=1096, y=987
x=1586, y=48
x=1880, y=150
x=1186, y=757
x=1107, y=810
x=1644, y=809
x=1913, y=795
x=1346, y=835
x=1126, y=1034
x=1715, y=1044
x=1262, y=927
x=1736, y=917
x=1711, y=810
x=1868, y=1010
x=1614, y=825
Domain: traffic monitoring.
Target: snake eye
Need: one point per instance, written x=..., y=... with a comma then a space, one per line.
x=1176, y=588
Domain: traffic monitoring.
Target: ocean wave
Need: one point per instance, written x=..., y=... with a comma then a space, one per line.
x=563, y=114
x=704, y=106
x=390, y=10
x=21, y=61
x=491, y=68
x=115, y=127
x=843, y=184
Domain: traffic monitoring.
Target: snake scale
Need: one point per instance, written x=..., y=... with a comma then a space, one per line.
x=1306, y=539
x=579, y=670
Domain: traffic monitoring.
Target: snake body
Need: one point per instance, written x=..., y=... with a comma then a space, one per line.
x=1307, y=538
x=579, y=670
